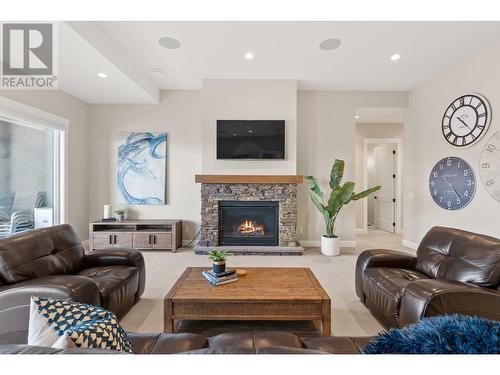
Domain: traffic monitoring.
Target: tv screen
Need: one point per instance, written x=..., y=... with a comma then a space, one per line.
x=250, y=139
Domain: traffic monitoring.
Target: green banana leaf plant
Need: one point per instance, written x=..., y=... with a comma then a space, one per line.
x=340, y=195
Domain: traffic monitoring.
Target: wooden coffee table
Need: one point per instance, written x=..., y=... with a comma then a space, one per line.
x=276, y=294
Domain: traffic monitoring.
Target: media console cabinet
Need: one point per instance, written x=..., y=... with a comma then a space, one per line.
x=139, y=234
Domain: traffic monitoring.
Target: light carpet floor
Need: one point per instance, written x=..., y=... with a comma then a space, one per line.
x=336, y=275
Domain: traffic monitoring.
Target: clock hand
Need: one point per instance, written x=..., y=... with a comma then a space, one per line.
x=463, y=122
x=452, y=188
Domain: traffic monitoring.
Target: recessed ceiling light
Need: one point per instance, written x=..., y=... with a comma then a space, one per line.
x=356, y=117
x=330, y=44
x=395, y=57
x=102, y=75
x=169, y=43
x=249, y=56
x=250, y=131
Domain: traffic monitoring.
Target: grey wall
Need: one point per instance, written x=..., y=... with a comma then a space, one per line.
x=425, y=146
x=325, y=131
x=179, y=115
x=249, y=99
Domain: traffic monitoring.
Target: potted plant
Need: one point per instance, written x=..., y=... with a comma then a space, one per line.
x=339, y=196
x=120, y=214
x=219, y=259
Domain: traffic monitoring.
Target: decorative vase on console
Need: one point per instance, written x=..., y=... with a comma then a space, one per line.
x=107, y=214
x=120, y=214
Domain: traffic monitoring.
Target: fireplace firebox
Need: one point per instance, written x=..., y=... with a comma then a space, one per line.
x=248, y=223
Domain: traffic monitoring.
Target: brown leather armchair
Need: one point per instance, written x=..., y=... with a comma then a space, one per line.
x=51, y=262
x=455, y=271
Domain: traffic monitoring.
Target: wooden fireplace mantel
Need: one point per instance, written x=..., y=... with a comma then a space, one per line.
x=247, y=179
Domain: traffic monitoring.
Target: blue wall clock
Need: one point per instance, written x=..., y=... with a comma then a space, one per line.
x=452, y=183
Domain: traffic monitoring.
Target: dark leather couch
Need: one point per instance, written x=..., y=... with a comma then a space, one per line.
x=226, y=343
x=454, y=272
x=51, y=262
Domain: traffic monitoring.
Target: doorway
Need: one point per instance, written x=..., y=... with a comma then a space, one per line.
x=381, y=169
x=382, y=166
x=379, y=157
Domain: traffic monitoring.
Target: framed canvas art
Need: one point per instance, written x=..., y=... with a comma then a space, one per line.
x=141, y=169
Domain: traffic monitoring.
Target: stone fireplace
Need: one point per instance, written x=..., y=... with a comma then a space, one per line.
x=249, y=214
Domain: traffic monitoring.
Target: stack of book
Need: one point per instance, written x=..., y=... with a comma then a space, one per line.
x=222, y=278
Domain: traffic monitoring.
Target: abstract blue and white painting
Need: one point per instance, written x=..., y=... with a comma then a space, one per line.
x=141, y=168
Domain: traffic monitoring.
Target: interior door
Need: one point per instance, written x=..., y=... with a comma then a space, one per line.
x=385, y=173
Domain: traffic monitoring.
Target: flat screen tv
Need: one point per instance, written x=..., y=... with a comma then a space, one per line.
x=250, y=139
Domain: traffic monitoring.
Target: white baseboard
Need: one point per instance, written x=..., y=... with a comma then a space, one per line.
x=317, y=243
x=347, y=243
x=361, y=231
x=409, y=244
x=310, y=243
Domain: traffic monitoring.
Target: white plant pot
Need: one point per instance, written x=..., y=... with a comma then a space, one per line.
x=330, y=246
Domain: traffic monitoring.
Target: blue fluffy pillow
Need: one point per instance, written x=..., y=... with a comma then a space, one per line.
x=449, y=334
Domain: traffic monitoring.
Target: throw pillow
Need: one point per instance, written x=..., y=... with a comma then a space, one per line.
x=449, y=334
x=64, y=324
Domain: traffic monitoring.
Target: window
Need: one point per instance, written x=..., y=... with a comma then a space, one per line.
x=32, y=186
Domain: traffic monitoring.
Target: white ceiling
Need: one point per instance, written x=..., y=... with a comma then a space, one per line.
x=81, y=57
x=283, y=50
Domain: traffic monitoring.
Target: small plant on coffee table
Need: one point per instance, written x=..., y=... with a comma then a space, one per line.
x=219, y=258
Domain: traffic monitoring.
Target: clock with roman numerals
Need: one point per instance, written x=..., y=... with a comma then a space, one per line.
x=490, y=166
x=466, y=120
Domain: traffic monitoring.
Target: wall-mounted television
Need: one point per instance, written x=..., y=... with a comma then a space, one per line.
x=250, y=139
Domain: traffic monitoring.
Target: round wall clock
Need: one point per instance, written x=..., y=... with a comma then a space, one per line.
x=490, y=166
x=452, y=183
x=466, y=120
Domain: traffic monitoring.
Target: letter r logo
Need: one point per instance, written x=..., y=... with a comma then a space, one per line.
x=27, y=49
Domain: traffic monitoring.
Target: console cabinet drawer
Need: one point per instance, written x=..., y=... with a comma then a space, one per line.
x=105, y=240
x=162, y=241
x=142, y=240
x=123, y=239
x=102, y=240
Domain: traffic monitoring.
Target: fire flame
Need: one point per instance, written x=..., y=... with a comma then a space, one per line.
x=249, y=227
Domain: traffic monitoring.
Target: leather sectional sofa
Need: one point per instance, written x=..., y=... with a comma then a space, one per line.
x=226, y=343
x=51, y=262
x=454, y=272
